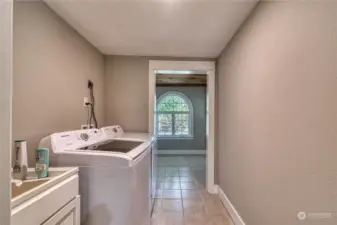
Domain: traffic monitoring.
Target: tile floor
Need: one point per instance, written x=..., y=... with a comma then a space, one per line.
x=181, y=197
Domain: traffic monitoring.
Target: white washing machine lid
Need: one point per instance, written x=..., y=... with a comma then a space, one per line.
x=86, y=142
x=125, y=148
x=116, y=132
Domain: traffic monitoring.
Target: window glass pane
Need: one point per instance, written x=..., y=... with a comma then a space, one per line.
x=173, y=115
x=173, y=102
x=164, y=124
x=181, y=124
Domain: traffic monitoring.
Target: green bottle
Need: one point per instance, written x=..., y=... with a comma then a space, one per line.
x=42, y=162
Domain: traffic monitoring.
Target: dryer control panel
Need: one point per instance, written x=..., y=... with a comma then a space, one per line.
x=112, y=131
x=76, y=139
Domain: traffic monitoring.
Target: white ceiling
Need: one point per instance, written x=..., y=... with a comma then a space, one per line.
x=179, y=28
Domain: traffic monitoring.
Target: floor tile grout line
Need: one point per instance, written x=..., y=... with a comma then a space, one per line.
x=193, y=183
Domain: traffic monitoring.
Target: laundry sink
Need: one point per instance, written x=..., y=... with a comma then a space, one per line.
x=18, y=189
x=51, y=200
x=32, y=186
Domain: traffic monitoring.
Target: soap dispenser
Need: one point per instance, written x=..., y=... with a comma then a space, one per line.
x=42, y=162
x=21, y=162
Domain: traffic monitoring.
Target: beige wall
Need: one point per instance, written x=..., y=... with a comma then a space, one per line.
x=277, y=114
x=127, y=91
x=51, y=66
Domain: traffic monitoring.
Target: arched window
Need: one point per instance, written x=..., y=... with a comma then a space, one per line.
x=174, y=115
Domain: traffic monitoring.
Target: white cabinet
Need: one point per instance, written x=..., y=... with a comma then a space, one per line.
x=57, y=205
x=68, y=215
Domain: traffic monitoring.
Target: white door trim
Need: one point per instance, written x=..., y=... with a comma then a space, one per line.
x=209, y=68
x=6, y=65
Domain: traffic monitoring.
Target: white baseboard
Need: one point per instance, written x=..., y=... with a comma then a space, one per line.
x=230, y=208
x=181, y=152
x=213, y=189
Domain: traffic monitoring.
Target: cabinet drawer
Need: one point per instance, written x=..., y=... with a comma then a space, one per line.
x=39, y=208
x=68, y=215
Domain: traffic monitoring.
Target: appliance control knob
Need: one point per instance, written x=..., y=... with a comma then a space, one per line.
x=84, y=136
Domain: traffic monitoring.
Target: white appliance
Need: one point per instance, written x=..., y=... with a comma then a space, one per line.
x=115, y=173
x=116, y=132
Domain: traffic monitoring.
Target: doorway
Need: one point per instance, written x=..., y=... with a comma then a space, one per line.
x=198, y=69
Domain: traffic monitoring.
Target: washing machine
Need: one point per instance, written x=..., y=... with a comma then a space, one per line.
x=115, y=174
x=116, y=132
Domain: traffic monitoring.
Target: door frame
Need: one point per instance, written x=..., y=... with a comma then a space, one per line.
x=209, y=68
x=6, y=68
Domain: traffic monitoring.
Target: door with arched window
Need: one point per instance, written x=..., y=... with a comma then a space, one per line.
x=174, y=116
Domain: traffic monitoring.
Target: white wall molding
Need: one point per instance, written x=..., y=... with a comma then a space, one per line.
x=181, y=152
x=214, y=189
x=230, y=208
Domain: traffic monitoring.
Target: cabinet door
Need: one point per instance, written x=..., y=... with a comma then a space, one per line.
x=67, y=215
